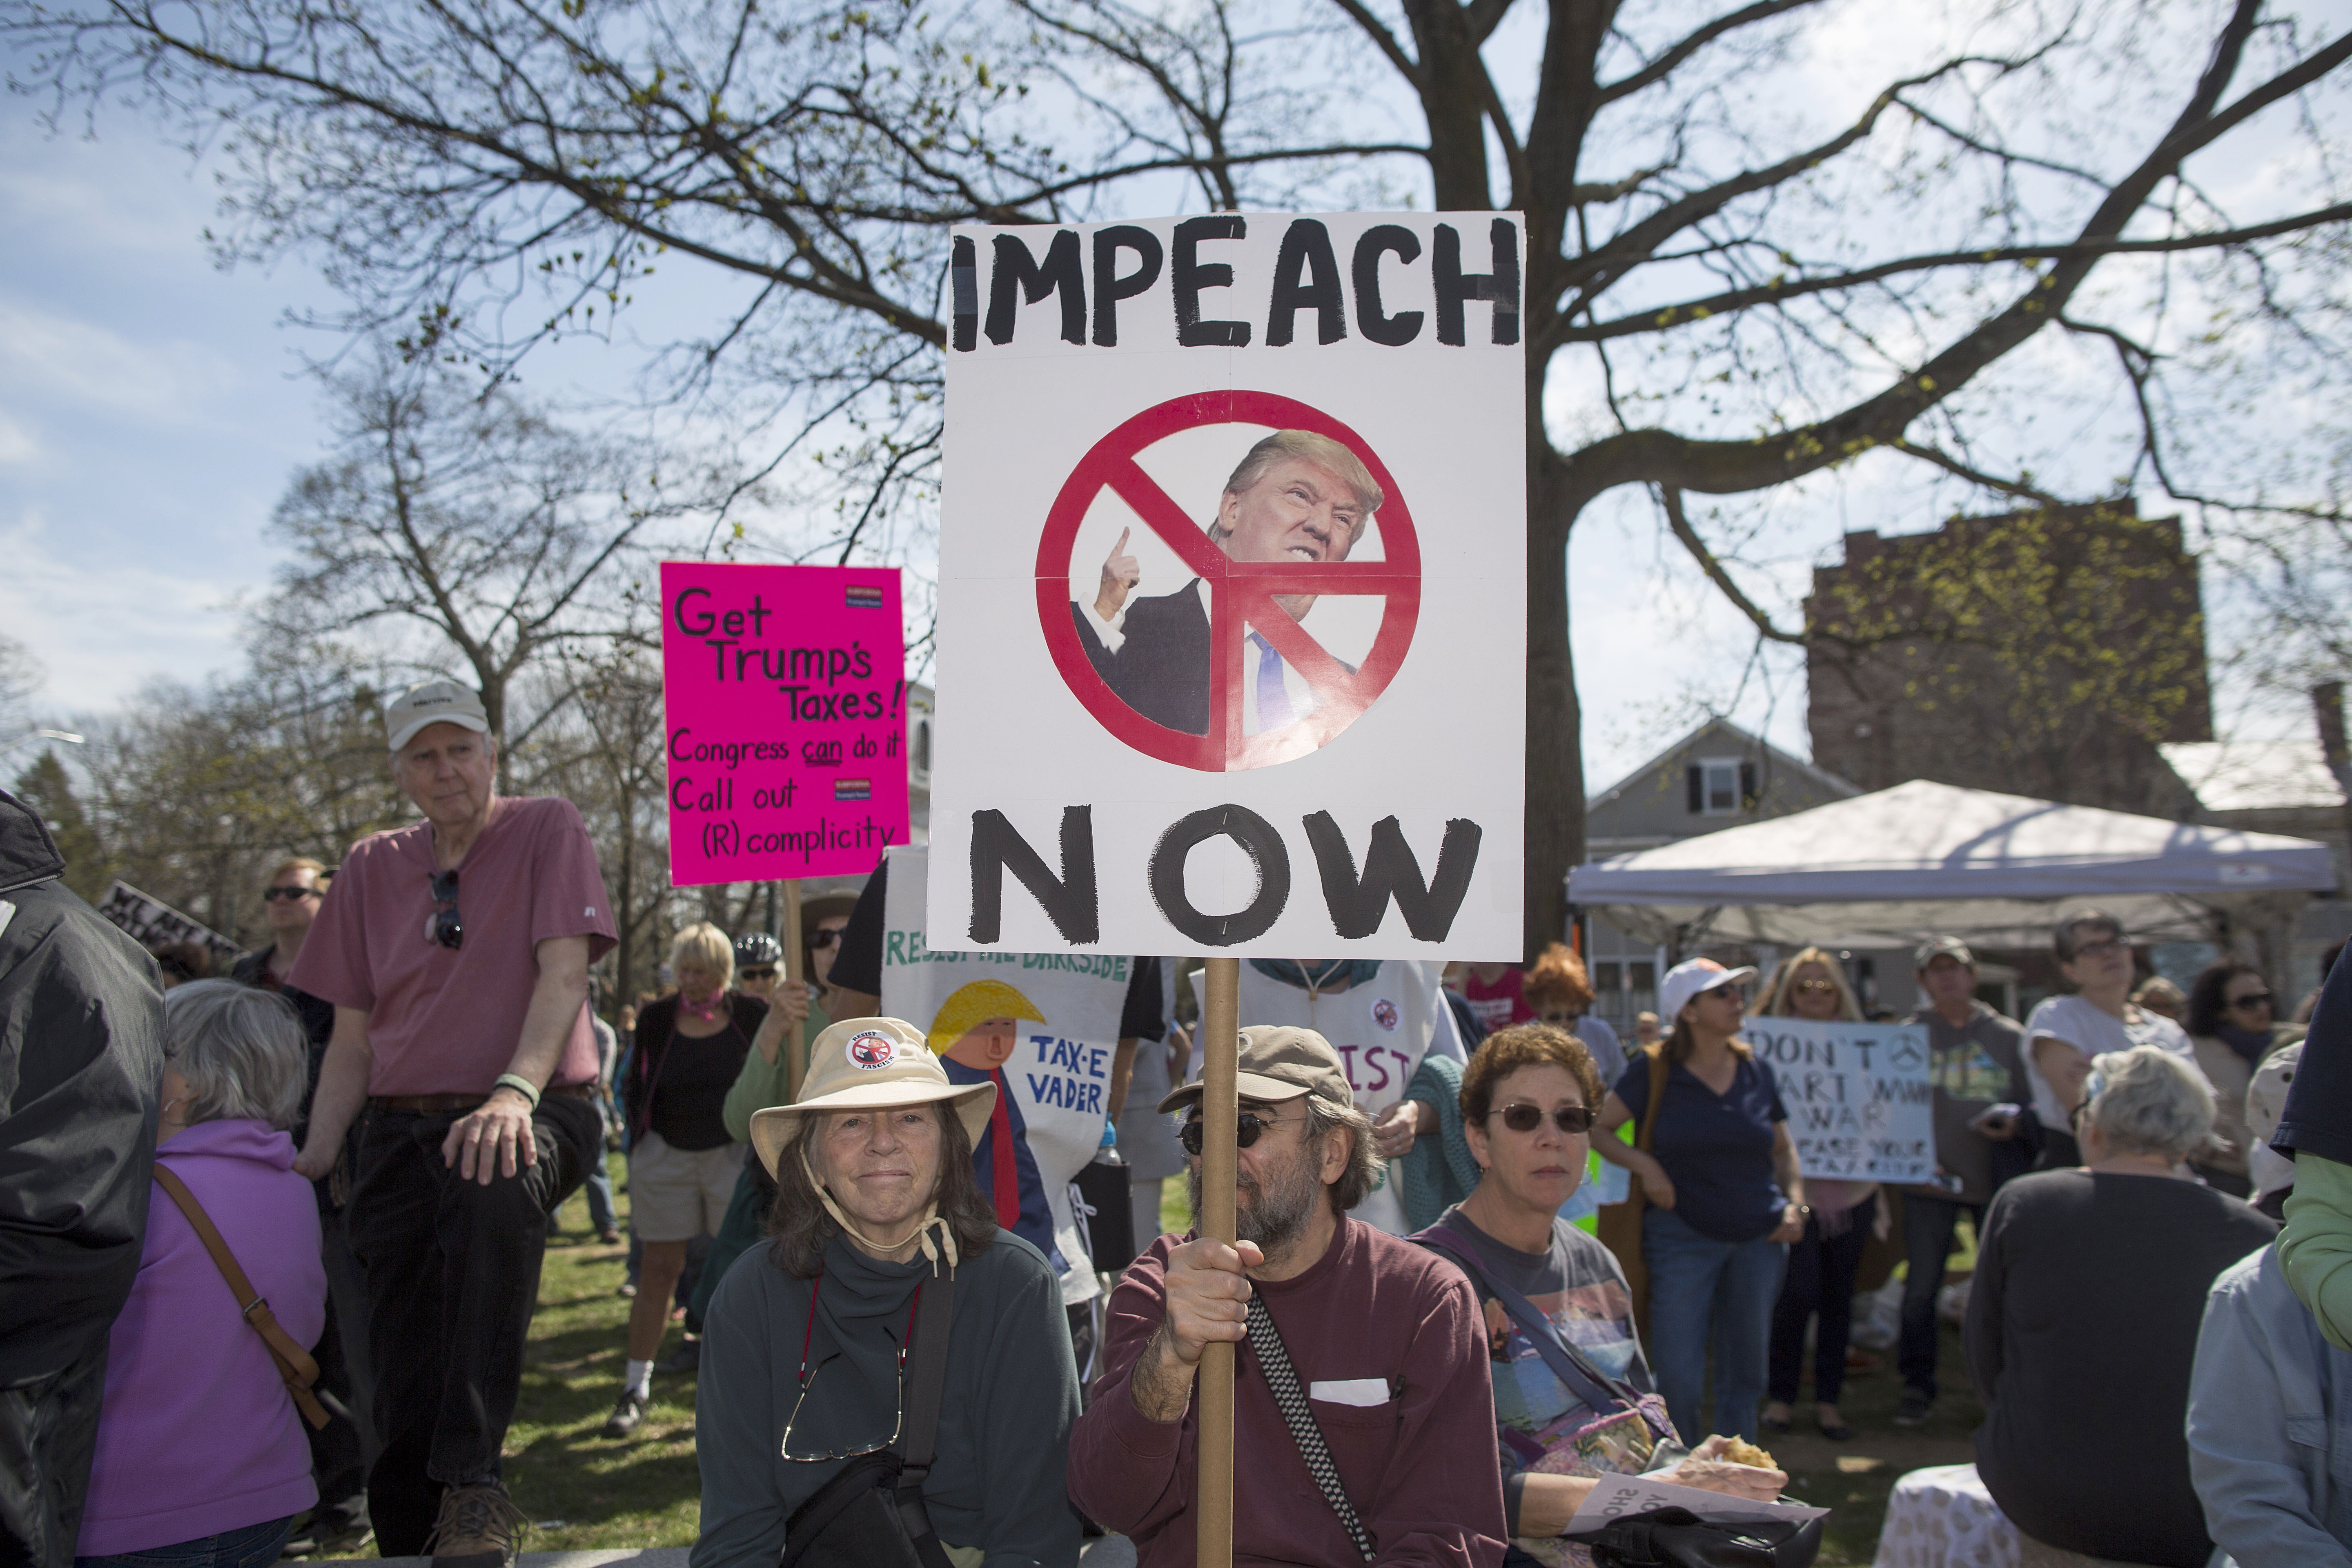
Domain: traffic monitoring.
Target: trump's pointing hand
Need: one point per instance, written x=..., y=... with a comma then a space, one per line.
x=1119, y=575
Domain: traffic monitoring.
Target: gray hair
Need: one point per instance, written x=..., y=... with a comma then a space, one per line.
x=1363, y=1170
x=242, y=1051
x=2145, y=1101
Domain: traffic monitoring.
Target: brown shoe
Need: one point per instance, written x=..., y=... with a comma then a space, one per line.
x=478, y=1527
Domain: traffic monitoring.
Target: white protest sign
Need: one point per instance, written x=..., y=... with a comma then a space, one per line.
x=1042, y=1029
x=1382, y=1017
x=152, y=922
x=1860, y=1104
x=1231, y=626
x=1613, y=1497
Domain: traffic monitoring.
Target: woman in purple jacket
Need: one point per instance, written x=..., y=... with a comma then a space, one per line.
x=201, y=1459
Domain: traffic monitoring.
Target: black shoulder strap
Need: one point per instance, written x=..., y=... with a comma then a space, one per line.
x=1274, y=1360
x=1587, y=1381
x=929, y=1383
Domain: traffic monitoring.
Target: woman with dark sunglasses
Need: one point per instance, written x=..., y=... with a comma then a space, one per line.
x=1528, y=1098
x=2233, y=1023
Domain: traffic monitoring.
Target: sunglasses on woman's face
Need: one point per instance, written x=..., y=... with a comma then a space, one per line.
x=288, y=895
x=2252, y=999
x=764, y=971
x=1525, y=1118
x=821, y=939
x=1815, y=987
x=1246, y=1131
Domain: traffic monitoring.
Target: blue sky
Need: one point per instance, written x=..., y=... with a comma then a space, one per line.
x=152, y=407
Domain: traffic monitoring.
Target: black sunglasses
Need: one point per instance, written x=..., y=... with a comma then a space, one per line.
x=1525, y=1118
x=764, y=971
x=288, y=895
x=2257, y=999
x=1246, y=1131
x=824, y=939
x=445, y=925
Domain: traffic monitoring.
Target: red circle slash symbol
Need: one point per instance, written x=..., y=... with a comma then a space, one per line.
x=1241, y=592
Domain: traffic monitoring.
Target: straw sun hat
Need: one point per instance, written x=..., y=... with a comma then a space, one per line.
x=869, y=1064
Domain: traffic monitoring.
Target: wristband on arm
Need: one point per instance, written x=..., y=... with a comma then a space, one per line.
x=521, y=1085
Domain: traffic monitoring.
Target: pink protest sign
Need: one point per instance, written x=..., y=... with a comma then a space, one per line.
x=784, y=688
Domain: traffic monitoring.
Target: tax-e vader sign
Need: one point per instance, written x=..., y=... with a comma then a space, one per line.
x=1232, y=621
x=784, y=693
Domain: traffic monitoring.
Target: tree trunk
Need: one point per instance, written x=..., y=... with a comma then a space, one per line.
x=624, y=910
x=1555, y=764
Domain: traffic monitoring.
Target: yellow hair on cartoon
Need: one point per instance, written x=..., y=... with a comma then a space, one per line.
x=976, y=1003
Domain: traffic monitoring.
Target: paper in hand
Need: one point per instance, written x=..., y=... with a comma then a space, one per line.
x=1622, y=1496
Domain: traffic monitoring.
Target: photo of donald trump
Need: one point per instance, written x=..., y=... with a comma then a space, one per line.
x=1297, y=497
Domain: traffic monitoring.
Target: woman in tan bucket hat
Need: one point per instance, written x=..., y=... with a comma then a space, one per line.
x=811, y=1343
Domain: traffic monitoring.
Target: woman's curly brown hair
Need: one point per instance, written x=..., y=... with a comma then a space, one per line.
x=1505, y=1051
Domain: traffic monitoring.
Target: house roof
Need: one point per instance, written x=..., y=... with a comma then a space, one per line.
x=2254, y=776
x=1821, y=777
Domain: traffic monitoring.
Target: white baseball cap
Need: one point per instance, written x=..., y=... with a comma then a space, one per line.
x=433, y=702
x=1688, y=978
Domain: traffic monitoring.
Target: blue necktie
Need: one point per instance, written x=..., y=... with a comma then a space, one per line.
x=1273, y=701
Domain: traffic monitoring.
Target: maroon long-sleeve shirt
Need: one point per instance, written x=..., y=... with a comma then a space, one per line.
x=1419, y=1465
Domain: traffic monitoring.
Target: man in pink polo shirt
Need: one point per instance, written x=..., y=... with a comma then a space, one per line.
x=455, y=952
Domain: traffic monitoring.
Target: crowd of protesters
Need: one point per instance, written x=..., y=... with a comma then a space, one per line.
x=1552, y=1256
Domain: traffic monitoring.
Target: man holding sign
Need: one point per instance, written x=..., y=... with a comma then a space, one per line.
x=1370, y=1348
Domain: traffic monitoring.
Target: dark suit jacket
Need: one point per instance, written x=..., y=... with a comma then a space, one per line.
x=1161, y=670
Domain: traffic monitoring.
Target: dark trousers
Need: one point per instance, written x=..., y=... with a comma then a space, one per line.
x=1927, y=1226
x=342, y=1450
x=452, y=1279
x=1819, y=1280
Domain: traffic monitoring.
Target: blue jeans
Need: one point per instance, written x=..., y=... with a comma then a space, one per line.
x=1704, y=1290
x=253, y=1546
x=602, y=1216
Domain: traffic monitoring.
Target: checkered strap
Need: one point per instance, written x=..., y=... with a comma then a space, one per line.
x=1265, y=1342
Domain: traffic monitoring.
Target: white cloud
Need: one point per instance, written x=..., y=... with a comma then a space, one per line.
x=17, y=443
x=104, y=626
x=46, y=356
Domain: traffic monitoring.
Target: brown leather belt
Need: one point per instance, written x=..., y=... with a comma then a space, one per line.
x=438, y=1104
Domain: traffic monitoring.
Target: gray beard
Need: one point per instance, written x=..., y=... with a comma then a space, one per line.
x=1272, y=1216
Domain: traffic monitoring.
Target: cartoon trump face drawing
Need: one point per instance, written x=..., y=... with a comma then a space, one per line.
x=977, y=1026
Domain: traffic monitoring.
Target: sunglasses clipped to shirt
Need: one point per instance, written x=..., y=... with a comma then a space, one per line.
x=445, y=925
x=1524, y=1117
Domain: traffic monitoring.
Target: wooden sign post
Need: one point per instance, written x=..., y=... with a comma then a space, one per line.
x=795, y=1046
x=1220, y=1119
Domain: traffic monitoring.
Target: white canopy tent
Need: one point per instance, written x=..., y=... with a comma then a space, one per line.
x=1883, y=870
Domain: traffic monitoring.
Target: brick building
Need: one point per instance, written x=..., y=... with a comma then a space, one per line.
x=2046, y=654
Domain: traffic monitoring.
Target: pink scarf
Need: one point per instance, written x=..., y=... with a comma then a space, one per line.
x=708, y=1007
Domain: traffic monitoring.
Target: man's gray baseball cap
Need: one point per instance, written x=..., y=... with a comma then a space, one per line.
x=432, y=702
x=1937, y=947
x=1279, y=1063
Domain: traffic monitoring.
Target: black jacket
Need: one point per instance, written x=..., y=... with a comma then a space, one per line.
x=81, y=1066
x=2319, y=1101
x=1161, y=668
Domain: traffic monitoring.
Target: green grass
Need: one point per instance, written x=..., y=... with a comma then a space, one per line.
x=587, y=1491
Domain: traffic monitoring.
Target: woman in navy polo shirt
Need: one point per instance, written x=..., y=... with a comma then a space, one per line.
x=1725, y=1198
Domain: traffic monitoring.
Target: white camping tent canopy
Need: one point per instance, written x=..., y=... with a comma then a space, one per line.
x=1881, y=869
